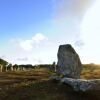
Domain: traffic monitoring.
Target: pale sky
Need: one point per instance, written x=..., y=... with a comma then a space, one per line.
x=32, y=30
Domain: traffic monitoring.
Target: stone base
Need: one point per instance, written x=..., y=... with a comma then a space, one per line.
x=79, y=84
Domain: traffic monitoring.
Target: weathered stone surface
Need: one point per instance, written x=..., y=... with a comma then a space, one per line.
x=79, y=84
x=69, y=68
x=69, y=63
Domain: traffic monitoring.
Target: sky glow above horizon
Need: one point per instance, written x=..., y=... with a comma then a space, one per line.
x=32, y=30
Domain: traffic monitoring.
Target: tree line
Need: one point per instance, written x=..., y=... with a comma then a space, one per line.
x=6, y=66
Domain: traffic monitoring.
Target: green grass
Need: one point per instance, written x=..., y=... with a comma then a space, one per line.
x=35, y=85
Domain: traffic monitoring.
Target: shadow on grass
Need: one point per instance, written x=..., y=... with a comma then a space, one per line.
x=46, y=90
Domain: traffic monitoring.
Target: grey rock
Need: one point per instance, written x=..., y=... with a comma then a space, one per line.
x=53, y=77
x=69, y=64
x=81, y=84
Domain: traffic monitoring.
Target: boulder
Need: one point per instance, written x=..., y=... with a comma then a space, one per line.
x=69, y=64
x=81, y=84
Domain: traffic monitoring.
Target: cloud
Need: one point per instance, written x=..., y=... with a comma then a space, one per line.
x=23, y=59
x=68, y=16
x=3, y=56
x=38, y=49
x=33, y=42
x=79, y=43
x=70, y=12
x=28, y=44
x=74, y=8
x=39, y=37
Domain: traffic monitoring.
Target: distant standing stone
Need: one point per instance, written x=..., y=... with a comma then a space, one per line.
x=69, y=64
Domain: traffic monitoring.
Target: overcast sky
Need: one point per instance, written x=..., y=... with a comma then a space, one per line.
x=32, y=30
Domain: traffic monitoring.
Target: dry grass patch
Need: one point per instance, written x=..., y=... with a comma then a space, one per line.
x=35, y=85
x=90, y=71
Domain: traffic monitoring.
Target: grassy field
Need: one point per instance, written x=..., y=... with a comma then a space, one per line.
x=35, y=85
x=90, y=71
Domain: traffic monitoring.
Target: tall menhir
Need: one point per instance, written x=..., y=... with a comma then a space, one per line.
x=69, y=64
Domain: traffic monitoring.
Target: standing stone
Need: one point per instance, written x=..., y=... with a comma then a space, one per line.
x=1, y=68
x=69, y=64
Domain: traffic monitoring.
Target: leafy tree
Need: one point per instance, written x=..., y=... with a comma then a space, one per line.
x=3, y=62
x=9, y=66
